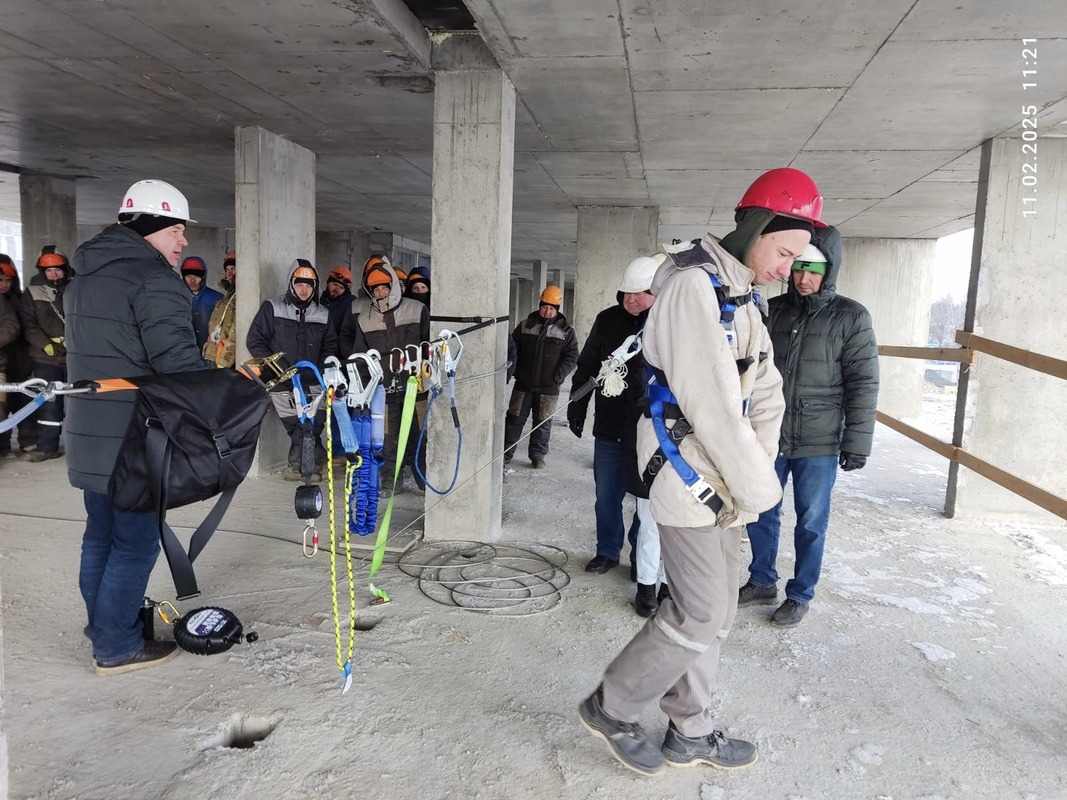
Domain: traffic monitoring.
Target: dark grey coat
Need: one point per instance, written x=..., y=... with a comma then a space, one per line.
x=128, y=314
x=824, y=346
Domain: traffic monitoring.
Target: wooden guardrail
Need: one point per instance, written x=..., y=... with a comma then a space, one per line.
x=970, y=346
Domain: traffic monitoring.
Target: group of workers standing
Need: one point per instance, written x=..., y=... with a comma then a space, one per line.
x=739, y=394
x=728, y=397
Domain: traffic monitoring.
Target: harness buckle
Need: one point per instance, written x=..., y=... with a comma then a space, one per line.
x=702, y=491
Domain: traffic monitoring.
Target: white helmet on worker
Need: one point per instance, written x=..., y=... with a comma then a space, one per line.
x=639, y=273
x=154, y=197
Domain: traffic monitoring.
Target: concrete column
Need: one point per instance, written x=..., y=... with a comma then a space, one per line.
x=557, y=277
x=275, y=209
x=609, y=238
x=1013, y=417
x=528, y=297
x=894, y=279
x=49, y=216
x=514, y=301
x=540, y=281
x=473, y=169
x=211, y=245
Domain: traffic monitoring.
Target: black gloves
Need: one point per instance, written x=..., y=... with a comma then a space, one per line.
x=575, y=421
x=851, y=461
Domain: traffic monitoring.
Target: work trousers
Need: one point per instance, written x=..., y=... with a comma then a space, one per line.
x=675, y=655
x=522, y=403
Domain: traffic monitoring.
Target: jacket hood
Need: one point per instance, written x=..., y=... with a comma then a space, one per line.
x=828, y=240
x=114, y=243
x=712, y=256
x=750, y=225
x=395, y=294
x=291, y=298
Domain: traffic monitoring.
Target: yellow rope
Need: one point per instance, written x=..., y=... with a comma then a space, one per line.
x=350, y=470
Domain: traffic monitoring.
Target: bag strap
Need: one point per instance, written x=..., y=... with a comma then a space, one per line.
x=158, y=450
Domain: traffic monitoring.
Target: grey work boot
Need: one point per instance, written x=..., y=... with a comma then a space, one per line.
x=714, y=749
x=752, y=595
x=789, y=614
x=626, y=740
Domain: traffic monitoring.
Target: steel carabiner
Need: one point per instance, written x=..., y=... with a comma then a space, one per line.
x=308, y=553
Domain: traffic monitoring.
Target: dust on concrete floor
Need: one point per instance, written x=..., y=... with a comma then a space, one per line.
x=931, y=665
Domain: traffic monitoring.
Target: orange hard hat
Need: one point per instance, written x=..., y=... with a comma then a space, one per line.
x=400, y=273
x=552, y=295
x=341, y=275
x=50, y=260
x=376, y=260
x=376, y=277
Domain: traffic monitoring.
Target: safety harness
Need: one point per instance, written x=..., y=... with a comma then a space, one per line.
x=664, y=405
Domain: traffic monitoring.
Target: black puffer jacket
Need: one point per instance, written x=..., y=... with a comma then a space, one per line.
x=128, y=314
x=824, y=346
x=42, y=318
x=543, y=353
x=616, y=417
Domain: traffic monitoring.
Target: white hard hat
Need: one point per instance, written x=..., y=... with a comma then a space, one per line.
x=639, y=273
x=812, y=254
x=155, y=197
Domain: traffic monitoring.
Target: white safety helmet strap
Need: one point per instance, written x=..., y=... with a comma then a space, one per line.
x=639, y=273
x=155, y=197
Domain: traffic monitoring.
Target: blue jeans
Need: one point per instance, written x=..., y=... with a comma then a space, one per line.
x=119, y=550
x=813, y=480
x=611, y=460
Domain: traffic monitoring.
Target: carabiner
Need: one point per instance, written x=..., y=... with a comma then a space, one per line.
x=308, y=553
x=413, y=363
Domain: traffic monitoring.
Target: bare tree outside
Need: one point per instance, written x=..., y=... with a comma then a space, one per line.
x=946, y=317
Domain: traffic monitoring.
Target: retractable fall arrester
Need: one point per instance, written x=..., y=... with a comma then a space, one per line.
x=203, y=631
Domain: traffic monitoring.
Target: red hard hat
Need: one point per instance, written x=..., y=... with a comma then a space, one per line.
x=341, y=275
x=786, y=191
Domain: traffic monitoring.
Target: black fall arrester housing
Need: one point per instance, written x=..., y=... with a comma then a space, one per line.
x=192, y=436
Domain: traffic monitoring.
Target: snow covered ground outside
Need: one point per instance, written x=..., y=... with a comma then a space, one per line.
x=930, y=667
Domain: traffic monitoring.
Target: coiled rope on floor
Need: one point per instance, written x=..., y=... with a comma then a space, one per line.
x=500, y=579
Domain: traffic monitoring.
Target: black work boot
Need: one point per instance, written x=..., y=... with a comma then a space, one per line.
x=714, y=749
x=646, y=604
x=664, y=592
x=752, y=595
x=626, y=740
x=600, y=564
x=789, y=614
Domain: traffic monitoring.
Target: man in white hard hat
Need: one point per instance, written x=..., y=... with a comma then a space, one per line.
x=128, y=314
x=615, y=470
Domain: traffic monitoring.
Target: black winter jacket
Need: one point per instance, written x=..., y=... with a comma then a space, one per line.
x=42, y=318
x=302, y=333
x=127, y=315
x=338, y=308
x=17, y=353
x=543, y=353
x=616, y=417
x=9, y=331
x=824, y=346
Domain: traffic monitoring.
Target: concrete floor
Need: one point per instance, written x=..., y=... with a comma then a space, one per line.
x=931, y=664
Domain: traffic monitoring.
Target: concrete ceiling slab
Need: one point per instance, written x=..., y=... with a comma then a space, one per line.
x=728, y=129
x=679, y=103
x=687, y=45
